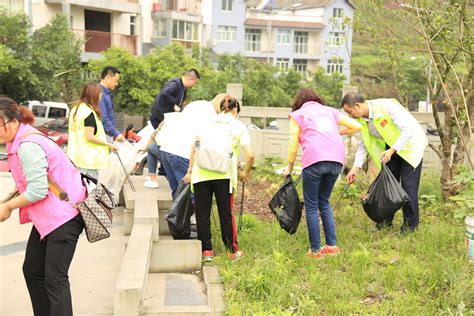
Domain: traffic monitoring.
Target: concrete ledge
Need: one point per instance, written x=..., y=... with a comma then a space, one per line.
x=170, y=255
x=146, y=212
x=133, y=273
x=215, y=290
x=128, y=221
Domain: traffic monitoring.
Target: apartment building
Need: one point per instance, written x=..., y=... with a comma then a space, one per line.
x=100, y=23
x=167, y=21
x=299, y=34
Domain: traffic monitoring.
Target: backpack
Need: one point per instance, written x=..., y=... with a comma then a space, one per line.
x=214, y=148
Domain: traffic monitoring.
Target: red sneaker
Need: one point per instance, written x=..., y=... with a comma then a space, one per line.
x=326, y=250
x=207, y=255
x=239, y=254
x=315, y=254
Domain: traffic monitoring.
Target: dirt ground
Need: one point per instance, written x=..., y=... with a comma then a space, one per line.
x=257, y=195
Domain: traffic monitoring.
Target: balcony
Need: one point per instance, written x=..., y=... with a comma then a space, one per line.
x=96, y=42
x=192, y=7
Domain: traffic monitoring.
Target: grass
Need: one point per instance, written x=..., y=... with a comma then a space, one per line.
x=378, y=272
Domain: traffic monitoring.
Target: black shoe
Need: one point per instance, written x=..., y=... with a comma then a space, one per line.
x=405, y=229
x=382, y=225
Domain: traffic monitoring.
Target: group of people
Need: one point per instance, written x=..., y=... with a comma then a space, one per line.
x=390, y=135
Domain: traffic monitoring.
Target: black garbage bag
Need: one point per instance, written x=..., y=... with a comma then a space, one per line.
x=286, y=205
x=179, y=214
x=385, y=196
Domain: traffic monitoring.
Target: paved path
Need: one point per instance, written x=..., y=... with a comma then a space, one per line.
x=92, y=275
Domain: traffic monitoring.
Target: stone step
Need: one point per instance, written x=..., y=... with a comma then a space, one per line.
x=181, y=294
x=162, y=195
x=128, y=220
x=170, y=255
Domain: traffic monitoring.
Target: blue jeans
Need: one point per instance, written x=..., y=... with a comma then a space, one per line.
x=175, y=167
x=318, y=182
x=152, y=158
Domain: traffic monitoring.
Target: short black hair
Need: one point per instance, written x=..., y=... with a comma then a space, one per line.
x=351, y=98
x=109, y=70
x=192, y=72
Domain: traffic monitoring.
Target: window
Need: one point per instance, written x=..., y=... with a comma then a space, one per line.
x=335, y=65
x=183, y=30
x=335, y=38
x=301, y=43
x=39, y=110
x=283, y=64
x=338, y=13
x=159, y=28
x=56, y=112
x=300, y=65
x=226, y=33
x=227, y=5
x=283, y=36
x=253, y=39
x=133, y=25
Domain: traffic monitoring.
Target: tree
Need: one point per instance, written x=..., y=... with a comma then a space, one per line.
x=16, y=78
x=142, y=77
x=439, y=31
x=43, y=66
x=56, y=60
x=328, y=86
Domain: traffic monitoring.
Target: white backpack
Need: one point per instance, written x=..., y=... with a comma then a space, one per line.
x=214, y=149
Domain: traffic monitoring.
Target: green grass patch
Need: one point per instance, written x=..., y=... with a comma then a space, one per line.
x=378, y=272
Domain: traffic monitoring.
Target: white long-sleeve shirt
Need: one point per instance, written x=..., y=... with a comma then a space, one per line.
x=400, y=117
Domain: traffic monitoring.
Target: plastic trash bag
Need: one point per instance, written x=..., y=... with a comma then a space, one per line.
x=286, y=205
x=114, y=176
x=179, y=214
x=385, y=196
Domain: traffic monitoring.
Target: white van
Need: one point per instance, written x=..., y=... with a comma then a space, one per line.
x=47, y=111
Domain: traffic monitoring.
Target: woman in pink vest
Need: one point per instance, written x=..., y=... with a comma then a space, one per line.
x=34, y=161
x=315, y=127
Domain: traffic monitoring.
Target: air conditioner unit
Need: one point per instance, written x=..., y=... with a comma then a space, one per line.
x=156, y=7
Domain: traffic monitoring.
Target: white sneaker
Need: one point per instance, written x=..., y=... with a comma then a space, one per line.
x=151, y=184
x=147, y=178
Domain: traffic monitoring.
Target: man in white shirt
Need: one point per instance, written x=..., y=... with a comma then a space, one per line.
x=390, y=135
x=178, y=135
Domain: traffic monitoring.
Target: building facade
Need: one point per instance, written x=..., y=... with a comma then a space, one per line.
x=100, y=23
x=167, y=21
x=289, y=34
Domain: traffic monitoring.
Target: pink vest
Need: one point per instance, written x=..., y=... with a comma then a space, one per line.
x=50, y=212
x=319, y=136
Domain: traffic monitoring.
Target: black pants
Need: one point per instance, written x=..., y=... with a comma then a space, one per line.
x=46, y=268
x=203, y=192
x=410, y=181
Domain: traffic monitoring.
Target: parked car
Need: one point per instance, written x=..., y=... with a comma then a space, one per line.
x=57, y=130
x=47, y=111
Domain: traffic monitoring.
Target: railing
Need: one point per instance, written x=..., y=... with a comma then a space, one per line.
x=96, y=41
x=184, y=6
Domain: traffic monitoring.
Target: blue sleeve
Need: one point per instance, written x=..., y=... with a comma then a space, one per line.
x=35, y=168
x=105, y=110
x=170, y=93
